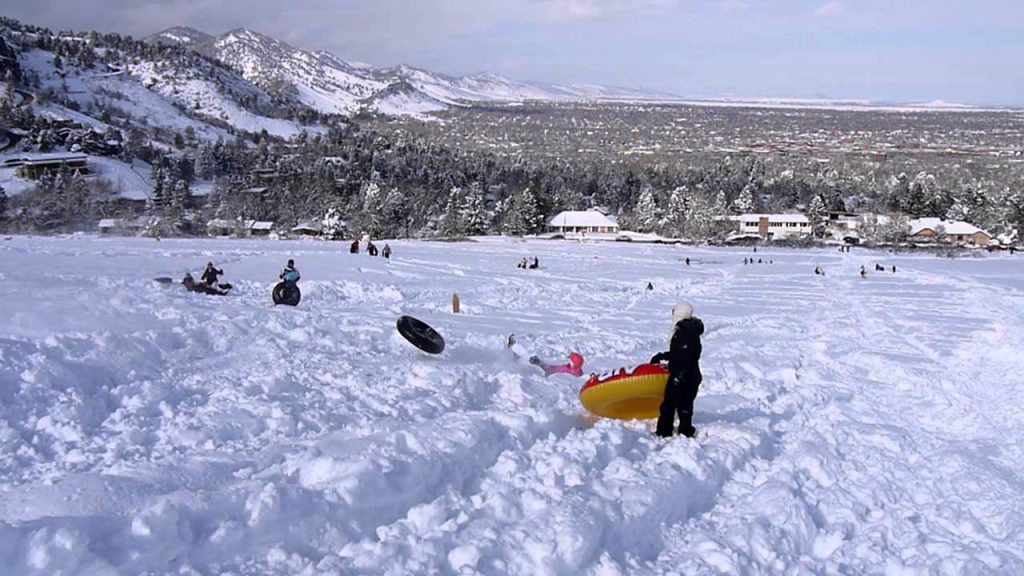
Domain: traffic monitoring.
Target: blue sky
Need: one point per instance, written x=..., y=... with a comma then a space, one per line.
x=881, y=50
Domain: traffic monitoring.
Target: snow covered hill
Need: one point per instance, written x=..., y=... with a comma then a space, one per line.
x=178, y=35
x=330, y=84
x=166, y=89
x=847, y=425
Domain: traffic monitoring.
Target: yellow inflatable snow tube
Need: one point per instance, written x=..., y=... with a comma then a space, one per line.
x=622, y=395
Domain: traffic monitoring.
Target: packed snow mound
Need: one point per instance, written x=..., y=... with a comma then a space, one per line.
x=846, y=424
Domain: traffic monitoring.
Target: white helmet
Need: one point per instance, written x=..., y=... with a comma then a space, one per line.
x=682, y=311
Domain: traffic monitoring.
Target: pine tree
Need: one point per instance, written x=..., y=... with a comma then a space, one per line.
x=817, y=215
x=451, y=223
x=3, y=207
x=472, y=219
x=674, y=221
x=205, y=163
x=370, y=215
x=958, y=211
x=394, y=214
x=529, y=209
x=160, y=198
x=647, y=213
x=333, y=226
x=520, y=215
x=744, y=202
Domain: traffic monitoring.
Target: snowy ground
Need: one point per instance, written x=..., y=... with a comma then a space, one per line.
x=847, y=425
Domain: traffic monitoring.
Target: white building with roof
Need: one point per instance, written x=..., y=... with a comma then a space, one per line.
x=259, y=227
x=582, y=222
x=952, y=231
x=773, y=226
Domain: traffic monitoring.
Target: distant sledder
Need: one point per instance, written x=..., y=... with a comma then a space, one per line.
x=574, y=367
x=287, y=290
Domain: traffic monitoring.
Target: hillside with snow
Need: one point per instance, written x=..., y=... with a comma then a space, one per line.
x=330, y=84
x=846, y=425
x=165, y=88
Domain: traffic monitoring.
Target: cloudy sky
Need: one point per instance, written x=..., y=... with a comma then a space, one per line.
x=882, y=50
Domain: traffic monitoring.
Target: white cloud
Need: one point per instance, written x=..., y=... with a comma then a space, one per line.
x=734, y=6
x=830, y=9
x=569, y=10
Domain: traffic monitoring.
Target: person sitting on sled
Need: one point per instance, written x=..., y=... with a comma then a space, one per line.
x=684, y=377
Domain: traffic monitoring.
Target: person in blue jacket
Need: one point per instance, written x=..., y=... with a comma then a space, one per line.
x=290, y=273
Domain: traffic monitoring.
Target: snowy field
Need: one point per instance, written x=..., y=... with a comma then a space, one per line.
x=846, y=425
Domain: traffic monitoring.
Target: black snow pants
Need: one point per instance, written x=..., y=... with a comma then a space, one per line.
x=680, y=392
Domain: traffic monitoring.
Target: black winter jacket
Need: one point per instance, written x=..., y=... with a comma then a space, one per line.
x=684, y=351
x=210, y=275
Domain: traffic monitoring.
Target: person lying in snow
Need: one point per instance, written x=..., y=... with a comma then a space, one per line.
x=684, y=377
x=191, y=285
x=574, y=367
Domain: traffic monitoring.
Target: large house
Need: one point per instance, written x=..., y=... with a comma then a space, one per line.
x=35, y=165
x=582, y=222
x=952, y=231
x=773, y=226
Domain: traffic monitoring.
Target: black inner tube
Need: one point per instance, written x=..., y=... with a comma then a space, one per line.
x=420, y=335
x=287, y=293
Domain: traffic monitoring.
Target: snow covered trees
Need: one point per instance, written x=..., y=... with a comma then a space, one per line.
x=647, y=216
x=472, y=215
x=818, y=216
x=519, y=214
x=465, y=213
x=333, y=224
x=744, y=202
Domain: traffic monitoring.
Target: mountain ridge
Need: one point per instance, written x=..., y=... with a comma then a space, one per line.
x=328, y=83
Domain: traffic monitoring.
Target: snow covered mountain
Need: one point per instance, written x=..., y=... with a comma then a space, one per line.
x=181, y=35
x=330, y=84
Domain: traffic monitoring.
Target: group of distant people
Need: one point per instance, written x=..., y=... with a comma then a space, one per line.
x=529, y=263
x=878, y=268
x=758, y=261
x=819, y=271
x=209, y=282
x=371, y=249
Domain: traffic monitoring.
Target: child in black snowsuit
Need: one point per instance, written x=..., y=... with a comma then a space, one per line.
x=684, y=375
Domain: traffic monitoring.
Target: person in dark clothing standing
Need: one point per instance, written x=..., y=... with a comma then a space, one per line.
x=210, y=274
x=684, y=377
x=386, y=252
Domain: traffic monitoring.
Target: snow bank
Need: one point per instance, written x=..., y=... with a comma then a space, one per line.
x=847, y=425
